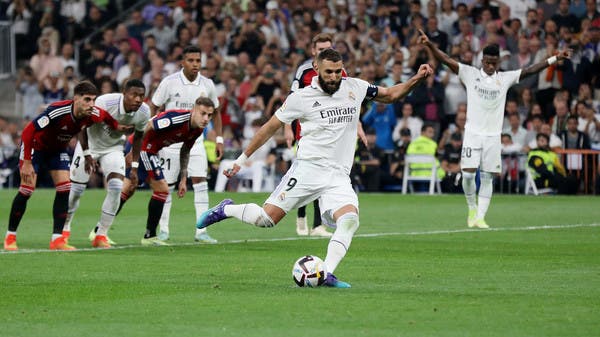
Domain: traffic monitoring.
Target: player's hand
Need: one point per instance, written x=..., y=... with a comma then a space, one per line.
x=564, y=53
x=90, y=165
x=220, y=150
x=27, y=173
x=362, y=135
x=289, y=136
x=232, y=171
x=133, y=177
x=125, y=128
x=182, y=188
x=423, y=39
x=425, y=71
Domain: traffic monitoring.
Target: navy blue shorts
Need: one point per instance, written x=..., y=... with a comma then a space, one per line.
x=49, y=160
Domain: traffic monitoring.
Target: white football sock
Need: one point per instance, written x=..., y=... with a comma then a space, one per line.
x=485, y=194
x=110, y=205
x=470, y=188
x=249, y=213
x=200, y=202
x=339, y=243
x=75, y=194
x=166, y=212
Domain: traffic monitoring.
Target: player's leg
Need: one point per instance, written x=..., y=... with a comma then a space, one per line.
x=169, y=162
x=301, y=228
x=491, y=164
x=19, y=204
x=160, y=191
x=79, y=180
x=221, y=182
x=340, y=205
x=318, y=230
x=113, y=166
x=62, y=183
x=469, y=162
x=197, y=170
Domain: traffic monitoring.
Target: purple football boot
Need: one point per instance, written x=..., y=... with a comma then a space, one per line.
x=213, y=215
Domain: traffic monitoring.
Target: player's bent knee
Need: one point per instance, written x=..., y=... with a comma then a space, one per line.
x=264, y=220
x=348, y=222
x=114, y=184
x=77, y=188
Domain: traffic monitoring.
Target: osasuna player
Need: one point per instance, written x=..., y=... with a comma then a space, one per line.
x=486, y=97
x=303, y=78
x=325, y=155
x=103, y=145
x=179, y=91
x=166, y=128
x=44, y=144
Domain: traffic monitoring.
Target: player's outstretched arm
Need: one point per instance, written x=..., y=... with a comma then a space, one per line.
x=262, y=135
x=398, y=91
x=536, y=68
x=437, y=53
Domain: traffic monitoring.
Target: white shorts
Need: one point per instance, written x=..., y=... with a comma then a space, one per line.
x=481, y=151
x=305, y=182
x=169, y=161
x=110, y=162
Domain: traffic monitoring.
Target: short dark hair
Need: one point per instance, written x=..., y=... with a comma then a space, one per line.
x=190, y=49
x=330, y=55
x=202, y=100
x=322, y=37
x=542, y=135
x=573, y=117
x=492, y=50
x=85, y=88
x=134, y=83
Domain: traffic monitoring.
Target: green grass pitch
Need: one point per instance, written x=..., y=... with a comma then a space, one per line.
x=415, y=270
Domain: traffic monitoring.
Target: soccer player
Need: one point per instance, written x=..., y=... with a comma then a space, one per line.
x=44, y=144
x=303, y=78
x=325, y=155
x=166, y=128
x=179, y=91
x=105, y=146
x=486, y=97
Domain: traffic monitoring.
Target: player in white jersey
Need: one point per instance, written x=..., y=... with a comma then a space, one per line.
x=179, y=91
x=104, y=146
x=329, y=110
x=486, y=98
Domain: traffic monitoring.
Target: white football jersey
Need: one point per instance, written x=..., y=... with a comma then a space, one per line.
x=329, y=122
x=486, y=98
x=101, y=138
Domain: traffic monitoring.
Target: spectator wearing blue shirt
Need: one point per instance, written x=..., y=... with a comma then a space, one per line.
x=382, y=118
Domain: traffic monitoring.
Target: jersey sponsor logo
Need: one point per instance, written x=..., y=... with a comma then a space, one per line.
x=339, y=115
x=43, y=122
x=487, y=94
x=184, y=105
x=163, y=123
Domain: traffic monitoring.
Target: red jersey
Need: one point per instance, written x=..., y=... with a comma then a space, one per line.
x=53, y=129
x=170, y=127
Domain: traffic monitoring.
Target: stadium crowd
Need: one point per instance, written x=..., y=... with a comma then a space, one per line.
x=251, y=50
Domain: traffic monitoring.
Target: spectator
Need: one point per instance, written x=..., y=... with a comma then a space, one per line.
x=589, y=123
x=554, y=141
x=367, y=166
x=137, y=26
x=163, y=34
x=457, y=127
x=150, y=11
x=396, y=168
x=407, y=121
x=450, y=163
x=54, y=88
x=92, y=22
x=564, y=18
x=559, y=122
x=546, y=169
x=381, y=117
x=45, y=61
x=19, y=14
x=428, y=100
x=27, y=85
x=573, y=138
x=516, y=131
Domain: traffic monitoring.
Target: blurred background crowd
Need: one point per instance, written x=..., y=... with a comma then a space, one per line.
x=251, y=50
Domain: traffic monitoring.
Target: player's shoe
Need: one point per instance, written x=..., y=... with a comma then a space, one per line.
x=320, y=231
x=480, y=223
x=153, y=241
x=92, y=237
x=301, y=228
x=204, y=238
x=332, y=282
x=10, y=242
x=101, y=241
x=212, y=215
x=66, y=235
x=60, y=244
x=472, y=218
x=163, y=236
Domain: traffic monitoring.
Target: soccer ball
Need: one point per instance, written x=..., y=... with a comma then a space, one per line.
x=309, y=271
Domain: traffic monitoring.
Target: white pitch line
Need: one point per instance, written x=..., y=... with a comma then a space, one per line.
x=295, y=238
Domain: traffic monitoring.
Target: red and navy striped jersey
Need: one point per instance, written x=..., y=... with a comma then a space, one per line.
x=170, y=127
x=53, y=129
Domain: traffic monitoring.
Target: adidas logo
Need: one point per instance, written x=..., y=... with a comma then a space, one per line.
x=478, y=80
x=177, y=95
x=316, y=104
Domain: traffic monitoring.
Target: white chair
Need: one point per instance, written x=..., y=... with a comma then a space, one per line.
x=407, y=178
x=530, y=187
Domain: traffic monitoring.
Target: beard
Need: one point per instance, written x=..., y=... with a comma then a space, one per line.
x=329, y=87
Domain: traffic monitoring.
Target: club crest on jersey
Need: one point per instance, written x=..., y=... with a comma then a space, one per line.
x=282, y=196
x=163, y=123
x=43, y=122
x=351, y=96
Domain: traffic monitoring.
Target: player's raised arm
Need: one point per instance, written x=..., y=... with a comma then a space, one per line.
x=262, y=135
x=437, y=53
x=536, y=68
x=398, y=91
